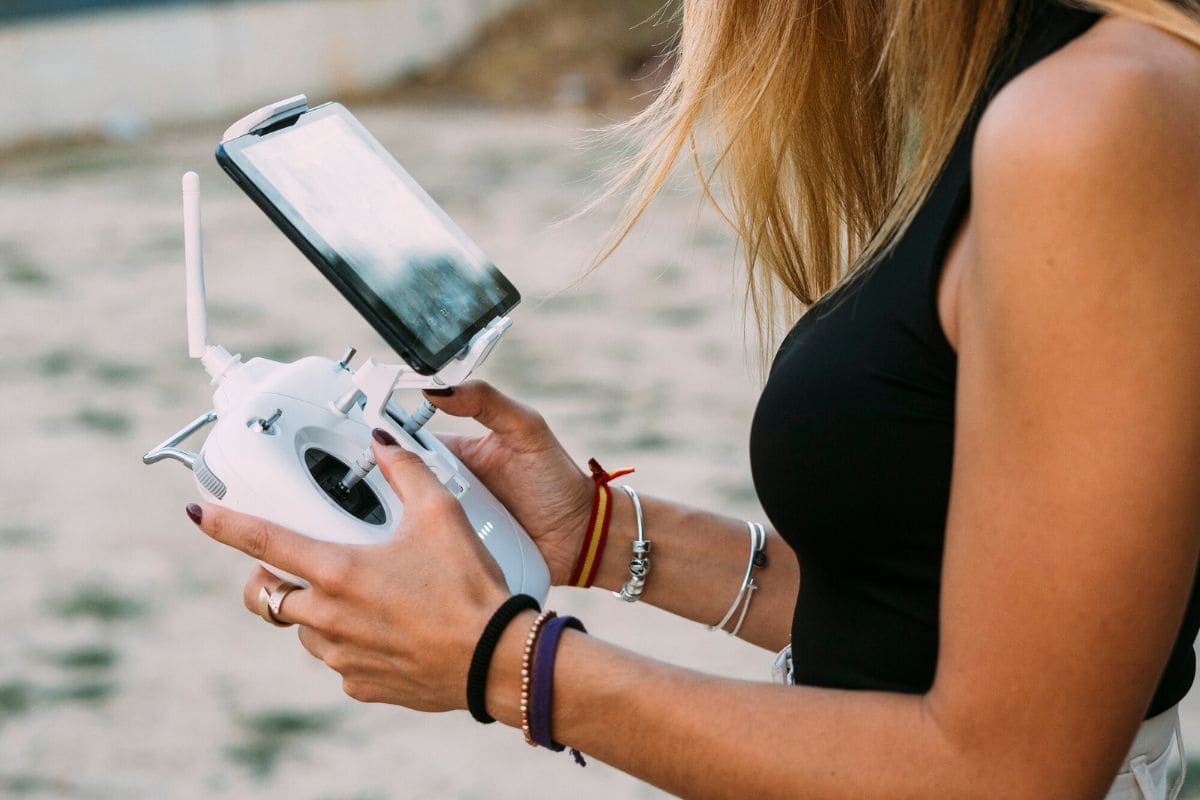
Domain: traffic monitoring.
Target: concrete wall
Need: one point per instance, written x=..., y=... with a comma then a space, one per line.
x=119, y=71
x=16, y=10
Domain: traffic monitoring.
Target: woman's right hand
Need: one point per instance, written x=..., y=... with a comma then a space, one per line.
x=521, y=461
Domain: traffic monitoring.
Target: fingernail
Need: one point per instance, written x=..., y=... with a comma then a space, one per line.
x=449, y=390
x=194, y=513
x=383, y=437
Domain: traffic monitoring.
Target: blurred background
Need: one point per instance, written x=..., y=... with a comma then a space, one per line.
x=128, y=667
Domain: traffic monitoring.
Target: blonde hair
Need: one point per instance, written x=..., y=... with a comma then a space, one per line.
x=829, y=122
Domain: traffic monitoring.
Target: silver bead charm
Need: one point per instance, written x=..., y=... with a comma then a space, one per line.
x=639, y=564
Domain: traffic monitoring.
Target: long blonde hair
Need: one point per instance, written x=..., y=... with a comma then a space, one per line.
x=829, y=122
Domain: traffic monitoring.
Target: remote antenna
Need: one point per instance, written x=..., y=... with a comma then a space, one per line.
x=216, y=359
x=193, y=254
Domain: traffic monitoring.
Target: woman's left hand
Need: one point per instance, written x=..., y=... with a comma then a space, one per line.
x=398, y=620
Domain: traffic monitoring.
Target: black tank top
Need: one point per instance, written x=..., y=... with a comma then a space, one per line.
x=853, y=437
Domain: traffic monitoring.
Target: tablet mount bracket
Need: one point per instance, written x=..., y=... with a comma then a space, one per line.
x=265, y=117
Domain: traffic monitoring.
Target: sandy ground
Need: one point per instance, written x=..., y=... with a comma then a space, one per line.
x=128, y=668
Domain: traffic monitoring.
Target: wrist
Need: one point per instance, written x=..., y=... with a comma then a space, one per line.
x=592, y=548
x=613, y=570
x=574, y=530
x=504, y=678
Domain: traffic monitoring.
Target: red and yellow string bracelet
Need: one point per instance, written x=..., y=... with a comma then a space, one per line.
x=597, y=531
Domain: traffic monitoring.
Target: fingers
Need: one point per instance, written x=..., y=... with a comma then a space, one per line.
x=456, y=443
x=296, y=607
x=412, y=480
x=365, y=675
x=266, y=541
x=490, y=407
x=317, y=645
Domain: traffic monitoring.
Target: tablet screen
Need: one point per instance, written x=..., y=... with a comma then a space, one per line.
x=377, y=228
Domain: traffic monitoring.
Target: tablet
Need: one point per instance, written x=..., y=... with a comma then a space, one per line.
x=372, y=231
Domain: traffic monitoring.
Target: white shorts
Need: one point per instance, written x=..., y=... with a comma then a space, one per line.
x=1143, y=775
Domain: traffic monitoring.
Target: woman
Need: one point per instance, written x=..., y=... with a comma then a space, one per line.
x=981, y=440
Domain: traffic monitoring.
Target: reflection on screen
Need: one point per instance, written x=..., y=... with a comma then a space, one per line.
x=382, y=226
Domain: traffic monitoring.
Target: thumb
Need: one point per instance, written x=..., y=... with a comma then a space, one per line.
x=409, y=476
x=490, y=407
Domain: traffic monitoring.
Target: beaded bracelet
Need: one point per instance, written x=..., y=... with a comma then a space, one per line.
x=526, y=670
x=596, y=536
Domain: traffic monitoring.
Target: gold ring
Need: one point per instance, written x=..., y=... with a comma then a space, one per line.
x=270, y=602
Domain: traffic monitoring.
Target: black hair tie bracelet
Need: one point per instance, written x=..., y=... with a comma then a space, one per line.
x=481, y=659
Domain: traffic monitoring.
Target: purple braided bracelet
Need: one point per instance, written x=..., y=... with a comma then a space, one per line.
x=542, y=694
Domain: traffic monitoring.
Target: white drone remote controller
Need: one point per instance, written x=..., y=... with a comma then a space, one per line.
x=292, y=442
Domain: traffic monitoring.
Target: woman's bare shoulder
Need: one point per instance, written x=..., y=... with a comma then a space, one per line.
x=1122, y=95
x=1090, y=161
x=1084, y=198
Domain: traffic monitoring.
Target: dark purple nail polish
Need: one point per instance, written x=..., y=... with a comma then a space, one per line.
x=194, y=513
x=449, y=390
x=383, y=437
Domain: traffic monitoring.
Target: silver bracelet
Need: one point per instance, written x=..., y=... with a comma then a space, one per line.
x=639, y=564
x=758, y=541
x=783, y=670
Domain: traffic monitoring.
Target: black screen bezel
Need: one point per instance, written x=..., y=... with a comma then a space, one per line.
x=368, y=303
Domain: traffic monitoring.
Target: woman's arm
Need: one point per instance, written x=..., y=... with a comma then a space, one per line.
x=1075, y=514
x=698, y=558
x=701, y=736
x=698, y=562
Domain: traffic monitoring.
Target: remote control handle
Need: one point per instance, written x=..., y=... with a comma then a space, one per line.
x=169, y=448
